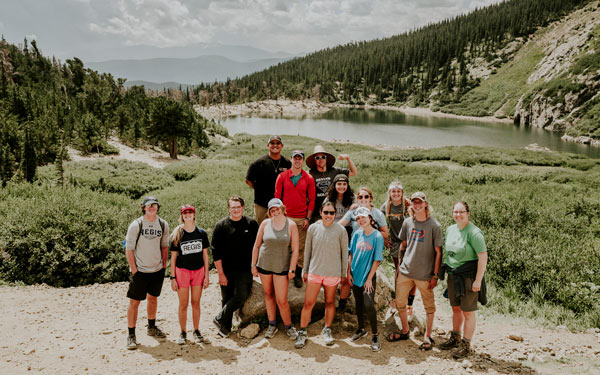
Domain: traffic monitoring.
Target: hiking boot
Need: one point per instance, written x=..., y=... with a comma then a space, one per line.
x=292, y=333
x=181, y=339
x=375, y=344
x=358, y=334
x=298, y=282
x=327, y=337
x=301, y=339
x=464, y=349
x=199, y=339
x=271, y=331
x=131, y=342
x=452, y=342
x=156, y=332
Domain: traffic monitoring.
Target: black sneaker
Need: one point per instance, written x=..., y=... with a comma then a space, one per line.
x=464, y=349
x=131, y=342
x=358, y=334
x=375, y=344
x=156, y=332
x=222, y=330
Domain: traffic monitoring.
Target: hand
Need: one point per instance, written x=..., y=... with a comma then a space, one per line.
x=344, y=280
x=206, y=281
x=174, y=285
x=343, y=156
x=368, y=286
x=222, y=279
x=291, y=275
x=350, y=279
x=432, y=283
x=305, y=224
x=305, y=278
x=388, y=243
x=254, y=271
x=476, y=286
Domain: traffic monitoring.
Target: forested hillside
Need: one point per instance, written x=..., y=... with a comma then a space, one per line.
x=441, y=65
x=47, y=106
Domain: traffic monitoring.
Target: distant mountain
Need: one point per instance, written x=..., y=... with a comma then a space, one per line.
x=185, y=71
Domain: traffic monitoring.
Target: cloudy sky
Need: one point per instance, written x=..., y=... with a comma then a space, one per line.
x=106, y=29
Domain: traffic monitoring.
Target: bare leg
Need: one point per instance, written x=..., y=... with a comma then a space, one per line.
x=281, y=295
x=457, y=319
x=196, y=295
x=152, y=306
x=470, y=320
x=183, y=295
x=310, y=297
x=329, y=304
x=269, y=291
x=132, y=312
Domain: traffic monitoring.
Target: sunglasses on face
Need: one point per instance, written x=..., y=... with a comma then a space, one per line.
x=364, y=196
x=329, y=213
x=298, y=157
x=320, y=157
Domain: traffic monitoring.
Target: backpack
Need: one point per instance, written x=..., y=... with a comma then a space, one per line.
x=140, y=222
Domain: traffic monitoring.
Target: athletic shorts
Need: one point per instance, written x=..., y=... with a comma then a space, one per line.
x=265, y=272
x=468, y=302
x=324, y=280
x=143, y=283
x=186, y=278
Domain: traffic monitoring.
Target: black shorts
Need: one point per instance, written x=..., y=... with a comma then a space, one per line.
x=265, y=272
x=142, y=283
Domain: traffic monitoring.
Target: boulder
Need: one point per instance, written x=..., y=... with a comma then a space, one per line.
x=250, y=332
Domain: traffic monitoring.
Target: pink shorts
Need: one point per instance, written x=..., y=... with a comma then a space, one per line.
x=186, y=278
x=324, y=280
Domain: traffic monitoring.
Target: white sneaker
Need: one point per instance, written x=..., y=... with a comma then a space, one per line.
x=326, y=333
x=292, y=333
x=181, y=339
x=271, y=331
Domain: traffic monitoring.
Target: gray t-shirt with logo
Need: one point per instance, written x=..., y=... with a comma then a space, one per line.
x=148, y=254
x=421, y=239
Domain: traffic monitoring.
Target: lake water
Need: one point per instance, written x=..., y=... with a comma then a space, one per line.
x=396, y=128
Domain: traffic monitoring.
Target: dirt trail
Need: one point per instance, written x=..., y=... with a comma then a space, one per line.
x=83, y=330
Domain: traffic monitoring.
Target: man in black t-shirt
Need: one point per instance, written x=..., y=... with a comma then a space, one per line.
x=262, y=174
x=322, y=170
x=232, y=242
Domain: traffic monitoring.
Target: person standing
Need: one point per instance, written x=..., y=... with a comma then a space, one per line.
x=262, y=174
x=296, y=188
x=421, y=237
x=465, y=261
x=146, y=248
x=232, y=242
x=366, y=253
x=326, y=264
x=275, y=265
x=323, y=172
x=189, y=256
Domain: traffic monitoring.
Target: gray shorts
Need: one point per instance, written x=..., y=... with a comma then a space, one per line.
x=468, y=302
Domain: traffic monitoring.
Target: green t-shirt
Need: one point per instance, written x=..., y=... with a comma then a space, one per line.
x=463, y=245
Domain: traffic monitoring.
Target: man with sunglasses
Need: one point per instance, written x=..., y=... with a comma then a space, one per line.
x=146, y=248
x=323, y=172
x=296, y=188
x=262, y=174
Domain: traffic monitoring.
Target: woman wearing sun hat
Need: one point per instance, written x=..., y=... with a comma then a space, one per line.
x=189, y=256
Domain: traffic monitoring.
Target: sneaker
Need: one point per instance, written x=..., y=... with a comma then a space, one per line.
x=452, y=342
x=271, y=331
x=375, y=344
x=131, y=342
x=358, y=334
x=181, y=339
x=327, y=337
x=292, y=333
x=301, y=339
x=222, y=330
x=156, y=332
x=464, y=349
x=199, y=339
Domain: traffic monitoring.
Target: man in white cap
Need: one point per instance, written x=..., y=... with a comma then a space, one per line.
x=262, y=174
x=323, y=172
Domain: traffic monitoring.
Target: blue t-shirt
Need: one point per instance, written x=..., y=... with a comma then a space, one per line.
x=377, y=215
x=365, y=251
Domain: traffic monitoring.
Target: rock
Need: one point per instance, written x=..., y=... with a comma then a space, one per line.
x=259, y=343
x=515, y=337
x=417, y=324
x=538, y=358
x=250, y=332
x=466, y=364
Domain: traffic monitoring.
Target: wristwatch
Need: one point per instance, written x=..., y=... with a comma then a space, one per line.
x=172, y=277
x=292, y=271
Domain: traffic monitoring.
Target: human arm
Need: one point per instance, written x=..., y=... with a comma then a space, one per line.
x=250, y=183
x=349, y=272
x=206, y=273
x=311, y=196
x=308, y=249
x=436, y=267
x=131, y=261
x=293, y=232
x=255, y=249
x=222, y=277
x=279, y=186
x=218, y=242
x=344, y=254
x=174, y=254
x=351, y=166
x=369, y=281
x=481, y=265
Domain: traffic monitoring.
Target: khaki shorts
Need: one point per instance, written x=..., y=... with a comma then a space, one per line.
x=302, y=239
x=468, y=302
x=405, y=284
x=260, y=213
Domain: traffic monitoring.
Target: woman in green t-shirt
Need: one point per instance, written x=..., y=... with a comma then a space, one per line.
x=465, y=259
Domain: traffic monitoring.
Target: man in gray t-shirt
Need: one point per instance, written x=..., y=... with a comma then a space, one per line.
x=146, y=248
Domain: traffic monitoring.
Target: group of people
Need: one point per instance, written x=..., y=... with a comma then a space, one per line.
x=310, y=227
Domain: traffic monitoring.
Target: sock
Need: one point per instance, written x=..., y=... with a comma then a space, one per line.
x=287, y=327
x=467, y=340
x=184, y=333
x=272, y=322
x=457, y=333
x=196, y=331
x=411, y=299
x=151, y=323
x=131, y=330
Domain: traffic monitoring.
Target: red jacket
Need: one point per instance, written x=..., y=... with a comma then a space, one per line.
x=299, y=199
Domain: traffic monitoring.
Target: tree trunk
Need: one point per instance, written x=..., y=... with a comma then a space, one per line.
x=173, y=147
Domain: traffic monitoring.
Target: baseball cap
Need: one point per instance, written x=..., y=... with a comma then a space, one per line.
x=275, y=202
x=150, y=200
x=418, y=195
x=186, y=208
x=340, y=177
x=395, y=186
x=298, y=152
x=362, y=211
x=275, y=138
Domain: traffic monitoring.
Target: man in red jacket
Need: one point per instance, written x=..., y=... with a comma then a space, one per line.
x=296, y=188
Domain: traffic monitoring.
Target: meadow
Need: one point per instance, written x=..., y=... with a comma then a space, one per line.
x=539, y=211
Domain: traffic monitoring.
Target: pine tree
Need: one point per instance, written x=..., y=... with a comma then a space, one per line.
x=29, y=157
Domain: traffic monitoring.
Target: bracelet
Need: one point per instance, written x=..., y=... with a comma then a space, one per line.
x=435, y=277
x=172, y=277
x=292, y=271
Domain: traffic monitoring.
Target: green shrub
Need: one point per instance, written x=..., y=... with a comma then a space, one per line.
x=185, y=170
x=63, y=237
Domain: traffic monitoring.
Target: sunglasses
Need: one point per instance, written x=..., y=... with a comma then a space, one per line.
x=298, y=157
x=364, y=196
x=328, y=212
x=321, y=157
